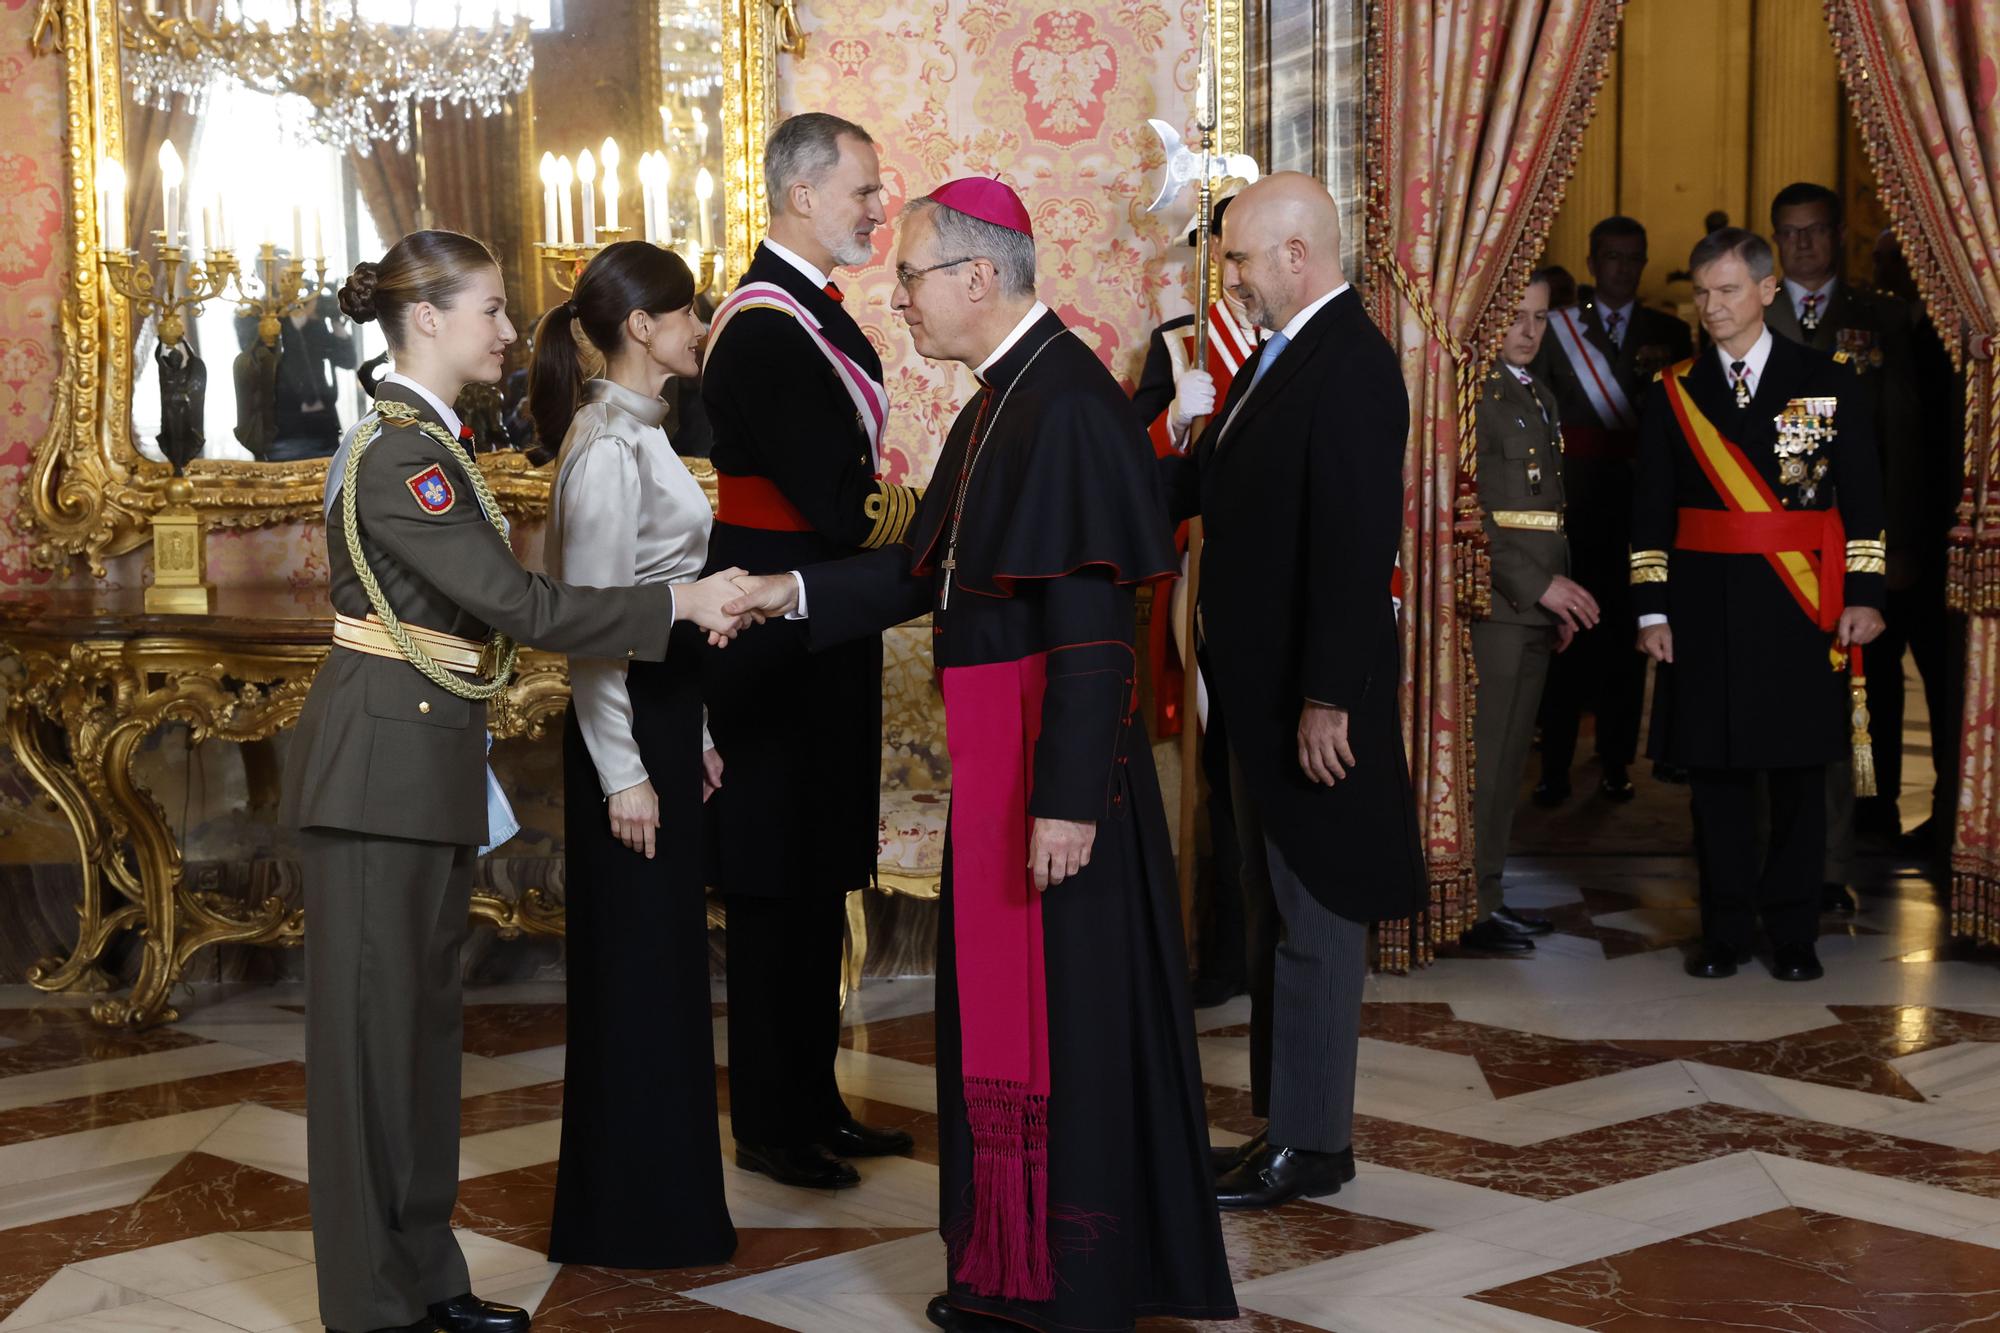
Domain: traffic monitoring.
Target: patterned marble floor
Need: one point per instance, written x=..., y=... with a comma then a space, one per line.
x=1584, y=1139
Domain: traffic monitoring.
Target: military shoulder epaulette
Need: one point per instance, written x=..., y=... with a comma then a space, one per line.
x=1841, y=358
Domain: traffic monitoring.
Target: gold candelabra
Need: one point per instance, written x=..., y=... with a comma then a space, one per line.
x=281, y=288
x=183, y=284
x=567, y=259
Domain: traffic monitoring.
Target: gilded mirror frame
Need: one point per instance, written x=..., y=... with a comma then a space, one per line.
x=90, y=494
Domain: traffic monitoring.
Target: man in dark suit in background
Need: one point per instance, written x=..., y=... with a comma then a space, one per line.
x=1816, y=307
x=1598, y=359
x=1298, y=478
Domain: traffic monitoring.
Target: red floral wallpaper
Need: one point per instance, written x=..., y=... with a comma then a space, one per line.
x=32, y=270
x=1052, y=98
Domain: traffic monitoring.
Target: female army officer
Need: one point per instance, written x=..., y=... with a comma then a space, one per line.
x=385, y=780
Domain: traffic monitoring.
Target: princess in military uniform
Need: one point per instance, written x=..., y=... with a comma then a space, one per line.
x=385, y=783
x=639, y=1113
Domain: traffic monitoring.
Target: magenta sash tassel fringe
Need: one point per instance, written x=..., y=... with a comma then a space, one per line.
x=1007, y=1255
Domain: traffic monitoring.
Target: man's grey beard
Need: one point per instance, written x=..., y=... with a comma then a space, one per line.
x=847, y=249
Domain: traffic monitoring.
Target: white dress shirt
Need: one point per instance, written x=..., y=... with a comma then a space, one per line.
x=1753, y=360
x=1293, y=328
x=1799, y=294
x=624, y=510
x=1624, y=319
x=1753, y=365
x=437, y=405
x=806, y=267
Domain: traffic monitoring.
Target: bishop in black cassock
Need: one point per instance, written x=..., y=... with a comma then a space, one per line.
x=1075, y=1185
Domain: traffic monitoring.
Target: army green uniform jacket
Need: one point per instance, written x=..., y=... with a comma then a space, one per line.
x=1521, y=491
x=379, y=748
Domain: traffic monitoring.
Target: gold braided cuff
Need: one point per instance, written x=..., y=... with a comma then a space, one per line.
x=1867, y=557
x=1529, y=520
x=891, y=509
x=1649, y=567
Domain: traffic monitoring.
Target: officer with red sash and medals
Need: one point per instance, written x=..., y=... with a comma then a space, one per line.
x=793, y=391
x=1599, y=358
x=1757, y=573
x=1816, y=307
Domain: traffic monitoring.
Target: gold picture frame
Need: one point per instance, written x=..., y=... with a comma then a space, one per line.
x=90, y=494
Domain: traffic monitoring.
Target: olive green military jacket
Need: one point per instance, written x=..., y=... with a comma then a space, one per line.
x=379, y=748
x=1521, y=492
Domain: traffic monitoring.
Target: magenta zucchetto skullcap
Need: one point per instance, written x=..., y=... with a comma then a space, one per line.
x=987, y=199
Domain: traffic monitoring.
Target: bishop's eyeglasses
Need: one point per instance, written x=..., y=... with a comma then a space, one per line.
x=908, y=277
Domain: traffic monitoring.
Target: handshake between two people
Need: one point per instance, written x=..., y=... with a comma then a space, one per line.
x=729, y=600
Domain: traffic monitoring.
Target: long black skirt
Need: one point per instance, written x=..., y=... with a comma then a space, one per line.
x=640, y=1180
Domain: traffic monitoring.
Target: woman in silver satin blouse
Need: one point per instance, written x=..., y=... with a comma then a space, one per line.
x=640, y=1180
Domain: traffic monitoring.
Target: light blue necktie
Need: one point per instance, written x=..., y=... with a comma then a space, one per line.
x=1273, y=346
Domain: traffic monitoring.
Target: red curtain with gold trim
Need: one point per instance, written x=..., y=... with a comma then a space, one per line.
x=1475, y=112
x=1919, y=74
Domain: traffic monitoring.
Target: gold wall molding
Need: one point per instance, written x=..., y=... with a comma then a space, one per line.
x=88, y=493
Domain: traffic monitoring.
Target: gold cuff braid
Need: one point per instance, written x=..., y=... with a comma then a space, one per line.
x=891, y=509
x=1649, y=567
x=1867, y=557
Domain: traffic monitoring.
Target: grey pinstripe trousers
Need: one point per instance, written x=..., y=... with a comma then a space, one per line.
x=1307, y=966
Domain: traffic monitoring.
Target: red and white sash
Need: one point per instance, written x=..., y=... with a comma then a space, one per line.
x=1593, y=370
x=871, y=400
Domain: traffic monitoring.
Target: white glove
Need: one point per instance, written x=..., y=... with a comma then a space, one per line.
x=1194, y=397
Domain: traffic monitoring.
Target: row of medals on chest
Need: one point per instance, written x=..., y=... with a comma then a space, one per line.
x=1804, y=427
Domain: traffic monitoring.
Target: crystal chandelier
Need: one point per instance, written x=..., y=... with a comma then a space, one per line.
x=691, y=49
x=350, y=79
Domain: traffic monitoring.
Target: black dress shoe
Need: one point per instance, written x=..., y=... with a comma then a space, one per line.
x=948, y=1316
x=424, y=1325
x=1922, y=843
x=1835, y=898
x=1549, y=793
x=1714, y=961
x=469, y=1314
x=1224, y=1158
x=1796, y=962
x=1616, y=784
x=851, y=1138
x=1489, y=936
x=806, y=1165
x=1276, y=1176
x=1509, y=919
x=1211, y=991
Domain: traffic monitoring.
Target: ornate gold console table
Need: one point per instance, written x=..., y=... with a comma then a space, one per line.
x=95, y=666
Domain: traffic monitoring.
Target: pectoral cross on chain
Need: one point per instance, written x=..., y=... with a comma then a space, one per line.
x=945, y=569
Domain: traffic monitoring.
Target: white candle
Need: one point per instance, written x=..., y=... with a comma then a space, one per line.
x=114, y=208
x=565, y=176
x=207, y=231
x=586, y=175
x=170, y=187
x=104, y=201
x=298, y=232
x=704, y=192
x=221, y=223
x=609, y=157
x=646, y=194
x=663, y=177
x=319, y=240
x=548, y=172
